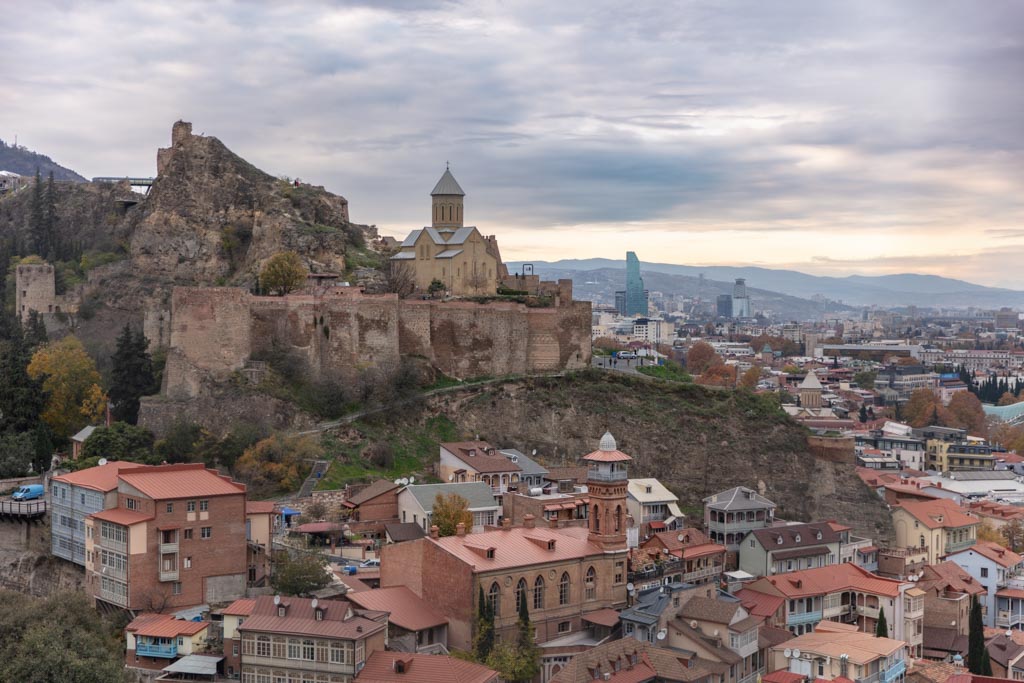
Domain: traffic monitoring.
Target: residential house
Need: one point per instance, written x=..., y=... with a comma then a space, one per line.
x=403, y=667
x=233, y=616
x=564, y=573
x=155, y=640
x=857, y=549
x=996, y=514
x=940, y=526
x=723, y=633
x=413, y=624
x=78, y=440
x=685, y=555
x=781, y=549
x=532, y=474
x=948, y=592
x=469, y=461
x=770, y=609
x=416, y=503
x=997, y=570
x=847, y=593
x=654, y=607
x=397, y=532
x=1006, y=655
x=653, y=507
x=558, y=509
x=259, y=531
x=371, y=507
x=177, y=538
x=840, y=652
x=287, y=638
x=75, y=496
x=730, y=515
x=630, y=661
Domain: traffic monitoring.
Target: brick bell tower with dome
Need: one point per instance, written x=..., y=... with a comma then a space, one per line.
x=606, y=488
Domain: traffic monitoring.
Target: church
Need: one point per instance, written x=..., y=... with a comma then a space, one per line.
x=449, y=257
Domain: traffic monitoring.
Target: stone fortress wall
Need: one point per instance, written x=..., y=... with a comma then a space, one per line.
x=215, y=332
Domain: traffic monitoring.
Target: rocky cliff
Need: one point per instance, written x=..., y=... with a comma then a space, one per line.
x=697, y=441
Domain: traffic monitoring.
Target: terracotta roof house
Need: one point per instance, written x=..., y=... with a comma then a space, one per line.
x=155, y=640
x=780, y=549
x=999, y=570
x=467, y=461
x=402, y=667
x=631, y=661
x=941, y=526
x=289, y=637
x=839, y=651
x=413, y=624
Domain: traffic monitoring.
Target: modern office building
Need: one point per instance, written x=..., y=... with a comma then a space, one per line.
x=636, y=295
x=740, y=300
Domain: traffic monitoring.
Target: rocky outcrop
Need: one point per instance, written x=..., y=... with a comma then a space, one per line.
x=695, y=440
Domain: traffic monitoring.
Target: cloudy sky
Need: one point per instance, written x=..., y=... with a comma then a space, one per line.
x=832, y=137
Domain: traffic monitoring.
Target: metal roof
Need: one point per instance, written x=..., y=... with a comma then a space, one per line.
x=447, y=185
x=202, y=665
x=449, y=253
x=526, y=464
x=738, y=498
x=478, y=494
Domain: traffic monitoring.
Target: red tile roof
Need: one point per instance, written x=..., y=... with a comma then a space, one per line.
x=602, y=617
x=121, y=516
x=948, y=576
x=381, y=668
x=259, y=507
x=783, y=676
x=997, y=553
x=517, y=547
x=486, y=458
x=164, y=626
x=607, y=456
x=702, y=550
x=188, y=480
x=99, y=478
x=677, y=540
x=930, y=513
x=408, y=610
x=825, y=580
x=240, y=608
x=760, y=604
x=300, y=620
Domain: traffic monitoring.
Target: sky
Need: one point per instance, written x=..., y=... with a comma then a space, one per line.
x=831, y=137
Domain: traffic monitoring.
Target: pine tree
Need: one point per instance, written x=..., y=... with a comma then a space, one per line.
x=976, y=640
x=881, y=628
x=49, y=218
x=35, y=330
x=22, y=398
x=131, y=376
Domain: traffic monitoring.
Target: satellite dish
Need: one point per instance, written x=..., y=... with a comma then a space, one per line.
x=101, y=461
x=662, y=633
x=313, y=603
x=451, y=477
x=693, y=623
x=630, y=587
x=680, y=538
x=277, y=599
x=412, y=479
x=787, y=653
x=405, y=481
x=398, y=482
x=715, y=634
x=796, y=652
x=534, y=452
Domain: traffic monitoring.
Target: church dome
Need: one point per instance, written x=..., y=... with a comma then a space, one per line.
x=607, y=443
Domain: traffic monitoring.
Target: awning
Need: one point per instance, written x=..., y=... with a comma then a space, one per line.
x=674, y=510
x=289, y=512
x=657, y=525
x=602, y=617
x=670, y=521
x=552, y=508
x=197, y=665
x=568, y=506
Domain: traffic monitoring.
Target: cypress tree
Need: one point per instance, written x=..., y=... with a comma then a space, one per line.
x=36, y=225
x=881, y=628
x=976, y=640
x=49, y=220
x=529, y=653
x=986, y=664
x=863, y=413
x=131, y=375
x=483, y=642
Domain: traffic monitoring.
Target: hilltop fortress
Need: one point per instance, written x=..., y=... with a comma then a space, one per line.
x=216, y=332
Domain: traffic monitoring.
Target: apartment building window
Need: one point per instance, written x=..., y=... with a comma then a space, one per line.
x=263, y=646
x=206, y=532
x=170, y=507
x=984, y=572
x=188, y=562
x=190, y=506
x=188, y=534
x=204, y=505
x=341, y=652
x=176, y=588
x=566, y=626
x=619, y=573
x=131, y=504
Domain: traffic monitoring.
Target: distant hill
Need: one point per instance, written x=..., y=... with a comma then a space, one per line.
x=906, y=289
x=25, y=162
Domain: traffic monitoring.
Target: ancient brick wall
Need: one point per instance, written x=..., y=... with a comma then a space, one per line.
x=35, y=289
x=210, y=337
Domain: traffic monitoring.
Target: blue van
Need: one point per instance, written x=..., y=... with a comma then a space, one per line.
x=30, y=492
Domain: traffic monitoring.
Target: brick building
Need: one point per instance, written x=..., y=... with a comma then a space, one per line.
x=372, y=507
x=177, y=538
x=296, y=639
x=565, y=573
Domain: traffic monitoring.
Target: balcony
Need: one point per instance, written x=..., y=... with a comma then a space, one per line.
x=796, y=618
x=700, y=574
x=886, y=675
x=835, y=610
x=113, y=572
x=752, y=676
x=954, y=547
x=170, y=548
x=119, y=546
x=865, y=611
x=597, y=475
x=1009, y=619
x=913, y=608
x=154, y=650
x=113, y=598
x=169, y=575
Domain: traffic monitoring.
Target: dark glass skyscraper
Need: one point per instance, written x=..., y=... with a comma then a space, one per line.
x=636, y=296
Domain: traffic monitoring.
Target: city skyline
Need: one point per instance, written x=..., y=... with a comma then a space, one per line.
x=865, y=138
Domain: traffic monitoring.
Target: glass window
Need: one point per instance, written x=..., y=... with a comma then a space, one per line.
x=207, y=532
x=563, y=589
x=204, y=505
x=170, y=507
x=591, y=584
x=538, y=593
x=190, y=506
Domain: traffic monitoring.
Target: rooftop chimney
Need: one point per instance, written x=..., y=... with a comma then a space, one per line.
x=506, y=523
x=460, y=529
x=529, y=521
x=553, y=523
x=434, y=531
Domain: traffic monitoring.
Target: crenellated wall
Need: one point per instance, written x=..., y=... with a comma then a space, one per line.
x=215, y=331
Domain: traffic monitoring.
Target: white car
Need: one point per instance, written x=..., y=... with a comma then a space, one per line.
x=369, y=563
x=627, y=355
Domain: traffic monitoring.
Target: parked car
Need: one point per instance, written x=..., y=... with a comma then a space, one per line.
x=30, y=492
x=369, y=563
x=628, y=355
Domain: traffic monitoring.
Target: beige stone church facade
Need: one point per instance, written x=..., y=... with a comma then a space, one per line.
x=463, y=260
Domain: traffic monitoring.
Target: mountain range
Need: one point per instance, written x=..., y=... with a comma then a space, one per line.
x=23, y=161
x=907, y=289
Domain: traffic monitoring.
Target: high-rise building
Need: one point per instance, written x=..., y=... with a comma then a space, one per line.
x=740, y=300
x=636, y=295
x=723, y=306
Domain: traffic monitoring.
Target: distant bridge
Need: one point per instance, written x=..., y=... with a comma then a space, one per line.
x=18, y=511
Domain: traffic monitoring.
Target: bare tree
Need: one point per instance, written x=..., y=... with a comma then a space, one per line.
x=398, y=278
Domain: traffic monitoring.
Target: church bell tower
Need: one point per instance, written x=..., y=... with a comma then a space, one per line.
x=446, y=202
